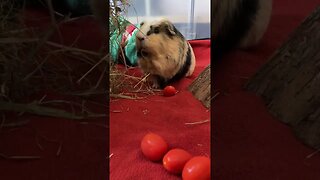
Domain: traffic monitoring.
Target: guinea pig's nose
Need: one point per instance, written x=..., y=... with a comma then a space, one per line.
x=140, y=38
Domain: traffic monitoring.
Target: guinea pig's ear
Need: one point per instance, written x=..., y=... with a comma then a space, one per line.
x=170, y=28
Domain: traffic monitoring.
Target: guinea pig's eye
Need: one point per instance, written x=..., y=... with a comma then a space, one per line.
x=156, y=30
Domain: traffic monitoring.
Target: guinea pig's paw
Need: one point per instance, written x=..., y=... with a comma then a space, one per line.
x=155, y=85
x=152, y=80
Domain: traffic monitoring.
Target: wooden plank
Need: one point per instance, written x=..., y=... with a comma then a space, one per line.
x=290, y=81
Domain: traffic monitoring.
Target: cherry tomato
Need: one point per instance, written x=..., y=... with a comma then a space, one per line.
x=175, y=160
x=154, y=147
x=169, y=91
x=197, y=168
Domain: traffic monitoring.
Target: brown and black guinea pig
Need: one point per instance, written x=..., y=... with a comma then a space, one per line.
x=163, y=52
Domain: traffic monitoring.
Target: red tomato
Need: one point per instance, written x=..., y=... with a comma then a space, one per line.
x=175, y=160
x=153, y=146
x=169, y=91
x=197, y=168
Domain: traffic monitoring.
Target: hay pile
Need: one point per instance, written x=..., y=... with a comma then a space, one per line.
x=30, y=64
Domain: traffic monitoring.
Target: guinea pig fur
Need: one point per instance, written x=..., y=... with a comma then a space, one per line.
x=163, y=52
x=238, y=23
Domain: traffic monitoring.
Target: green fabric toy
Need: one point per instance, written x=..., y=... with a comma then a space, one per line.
x=126, y=39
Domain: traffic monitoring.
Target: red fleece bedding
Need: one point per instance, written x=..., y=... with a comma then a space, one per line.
x=165, y=116
x=248, y=142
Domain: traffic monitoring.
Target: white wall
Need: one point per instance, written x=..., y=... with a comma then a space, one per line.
x=202, y=11
x=178, y=11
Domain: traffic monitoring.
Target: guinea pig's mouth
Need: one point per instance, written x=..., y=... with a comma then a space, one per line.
x=142, y=53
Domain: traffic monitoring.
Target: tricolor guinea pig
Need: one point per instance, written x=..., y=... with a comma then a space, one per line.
x=163, y=52
x=238, y=23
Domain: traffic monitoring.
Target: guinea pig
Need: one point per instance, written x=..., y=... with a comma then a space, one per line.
x=163, y=52
x=238, y=23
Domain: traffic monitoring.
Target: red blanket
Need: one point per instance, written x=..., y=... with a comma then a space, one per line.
x=248, y=142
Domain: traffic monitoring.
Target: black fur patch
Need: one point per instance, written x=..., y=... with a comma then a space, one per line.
x=163, y=28
x=238, y=26
x=139, y=54
x=180, y=74
x=153, y=30
x=175, y=30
